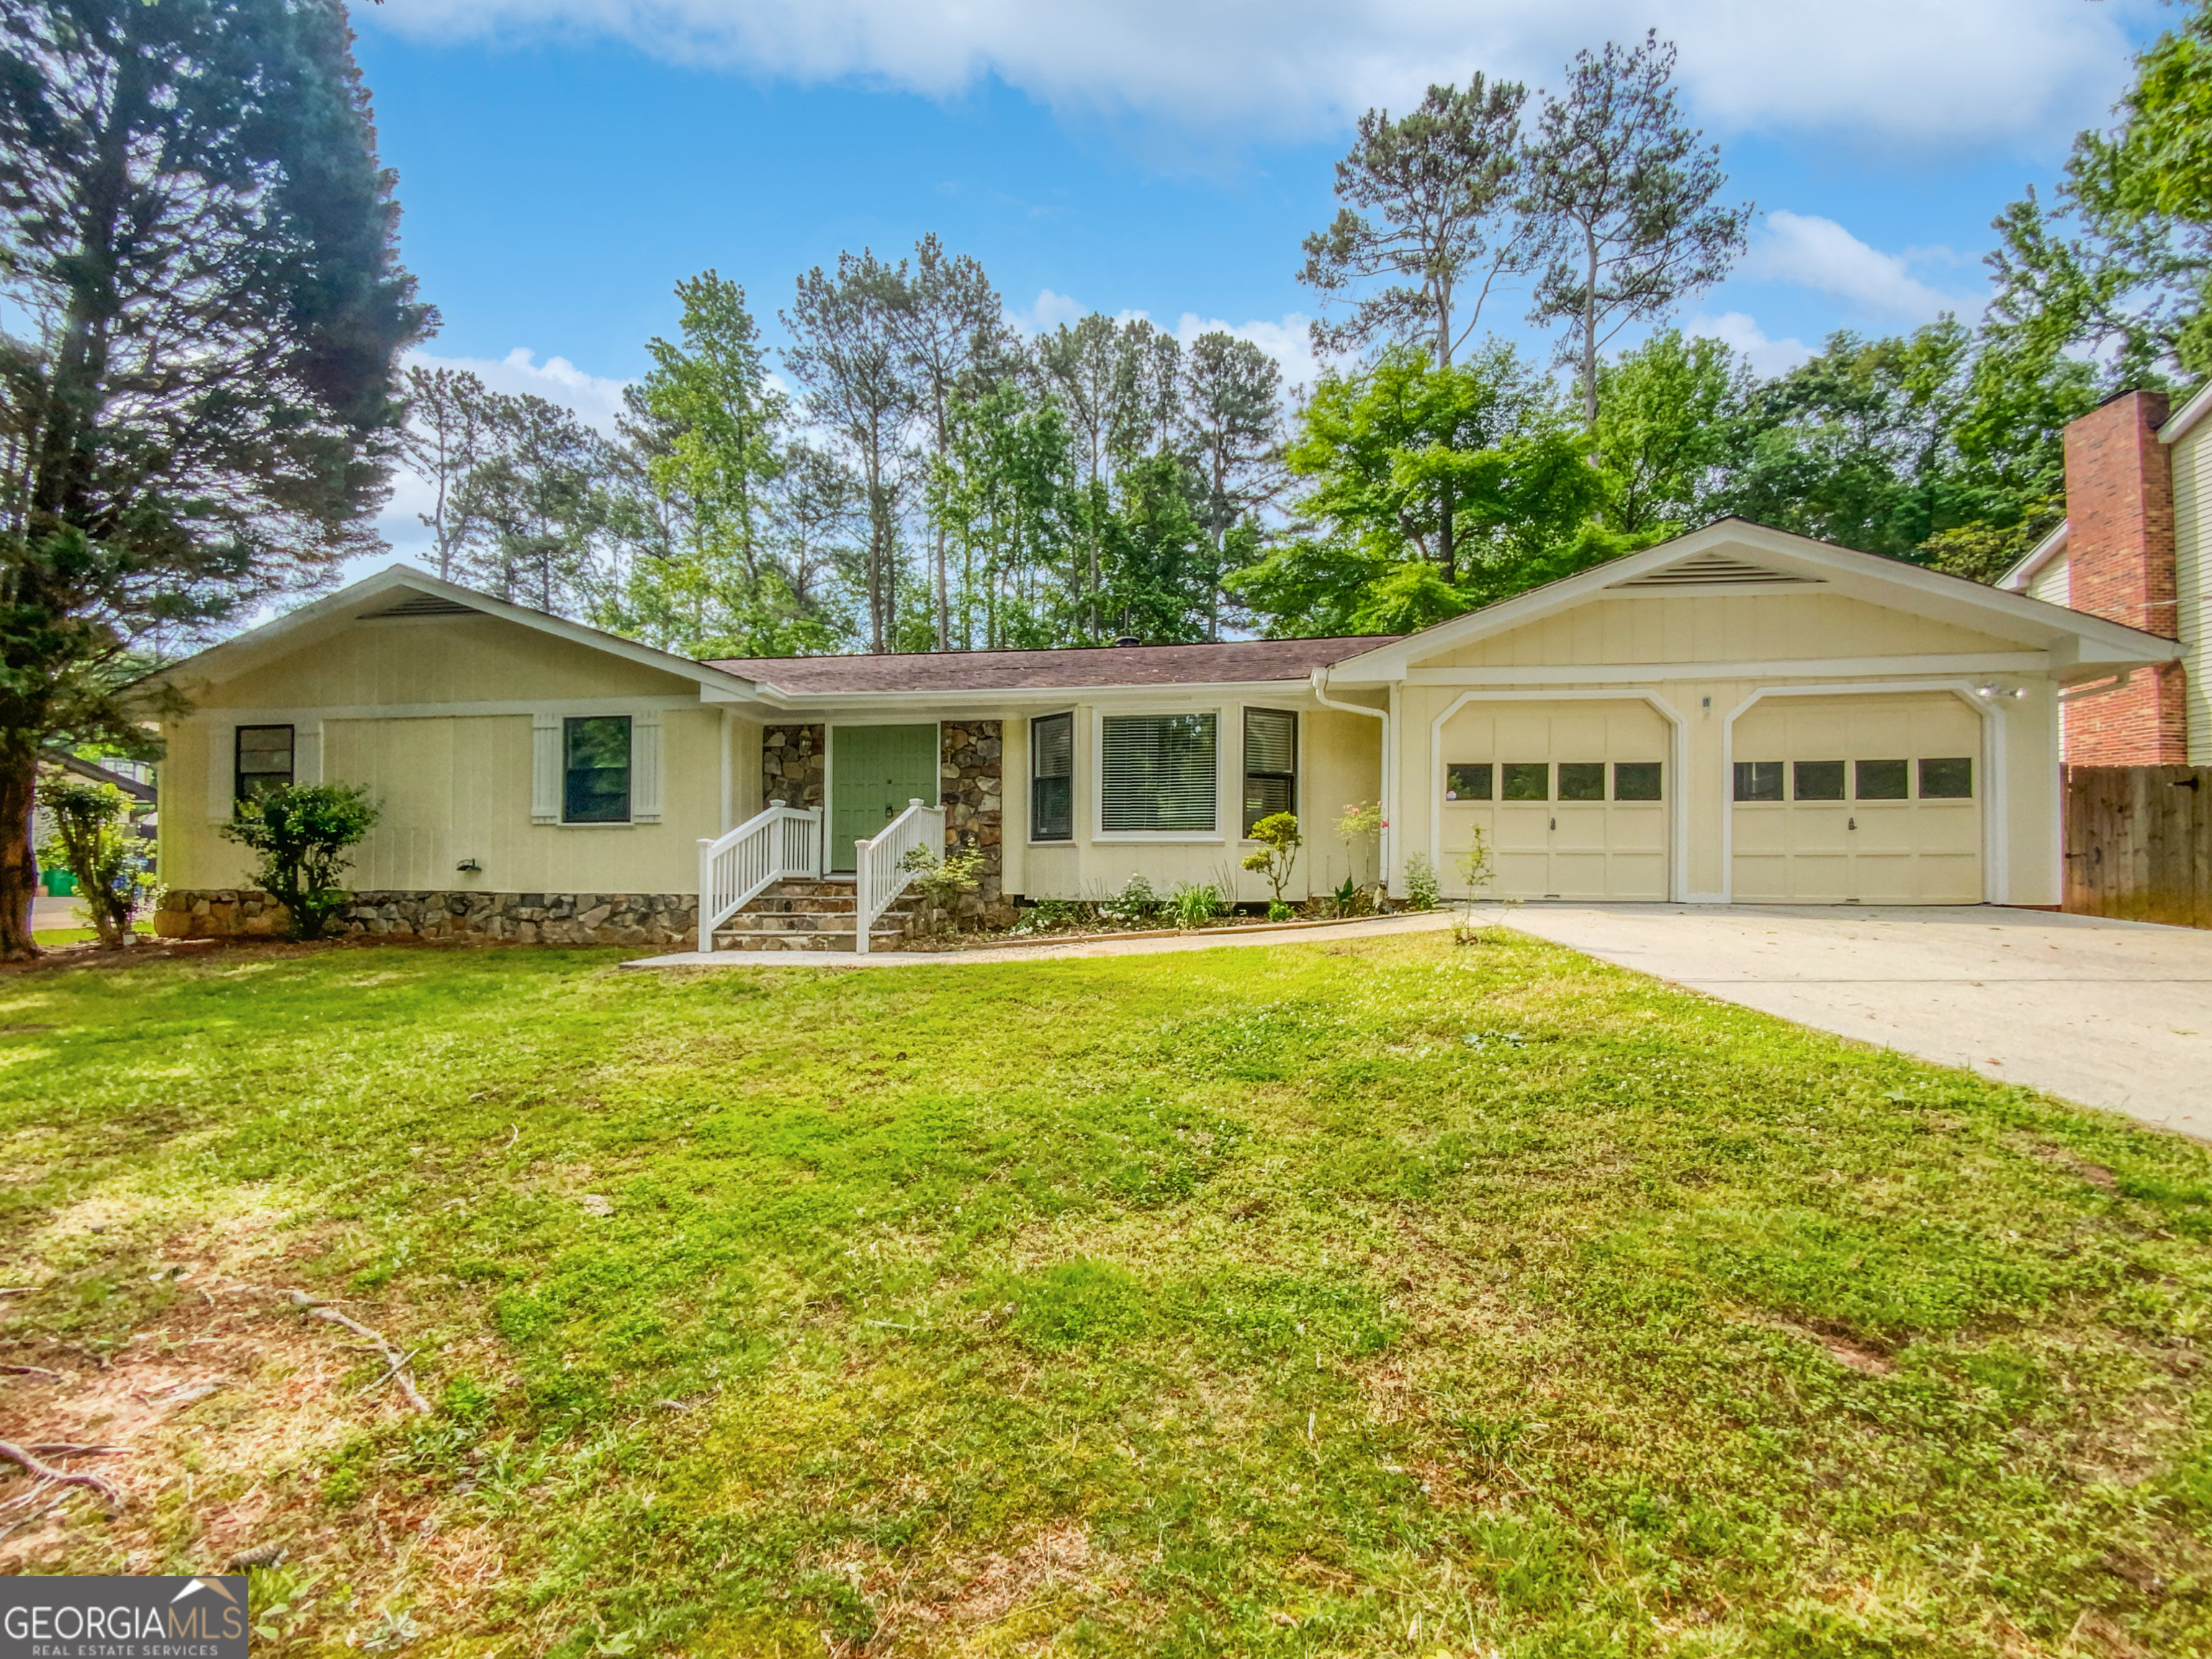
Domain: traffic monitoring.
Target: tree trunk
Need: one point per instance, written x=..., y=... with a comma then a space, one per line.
x=943, y=605
x=19, y=777
x=1446, y=554
x=1590, y=334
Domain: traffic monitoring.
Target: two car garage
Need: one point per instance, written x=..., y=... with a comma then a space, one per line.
x=1830, y=798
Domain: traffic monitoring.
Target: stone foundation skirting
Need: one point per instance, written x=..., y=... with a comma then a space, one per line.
x=662, y=918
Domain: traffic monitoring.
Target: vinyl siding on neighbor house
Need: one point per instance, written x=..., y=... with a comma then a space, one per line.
x=2192, y=573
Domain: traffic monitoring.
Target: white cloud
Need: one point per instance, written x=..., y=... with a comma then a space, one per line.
x=1733, y=329
x=597, y=399
x=1287, y=341
x=1964, y=73
x=1820, y=253
x=1049, y=310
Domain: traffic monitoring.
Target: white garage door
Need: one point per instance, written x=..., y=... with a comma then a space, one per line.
x=1570, y=798
x=1858, y=800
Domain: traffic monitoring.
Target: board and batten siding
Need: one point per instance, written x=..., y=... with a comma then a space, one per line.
x=443, y=719
x=2192, y=574
x=1340, y=764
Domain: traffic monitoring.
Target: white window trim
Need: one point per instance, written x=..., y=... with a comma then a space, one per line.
x=223, y=752
x=1160, y=837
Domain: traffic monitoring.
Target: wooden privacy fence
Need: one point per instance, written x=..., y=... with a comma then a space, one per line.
x=2139, y=843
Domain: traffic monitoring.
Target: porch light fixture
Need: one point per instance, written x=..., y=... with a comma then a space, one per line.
x=470, y=865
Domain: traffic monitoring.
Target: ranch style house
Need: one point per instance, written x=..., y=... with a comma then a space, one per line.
x=1735, y=716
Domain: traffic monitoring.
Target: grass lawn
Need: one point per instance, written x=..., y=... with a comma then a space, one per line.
x=1391, y=1296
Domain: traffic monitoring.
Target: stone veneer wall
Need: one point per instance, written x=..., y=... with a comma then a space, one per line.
x=975, y=802
x=794, y=764
x=665, y=919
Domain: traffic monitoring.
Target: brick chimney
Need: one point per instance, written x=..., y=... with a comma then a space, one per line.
x=2119, y=554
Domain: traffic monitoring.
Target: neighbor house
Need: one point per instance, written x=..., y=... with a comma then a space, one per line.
x=1738, y=715
x=2136, y=547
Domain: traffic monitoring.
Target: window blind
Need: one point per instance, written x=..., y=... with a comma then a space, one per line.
x=1052, y=778
x=1156, y=774
x=1271, y=765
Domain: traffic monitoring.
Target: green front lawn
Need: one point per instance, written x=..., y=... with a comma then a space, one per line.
x=1394, y=1297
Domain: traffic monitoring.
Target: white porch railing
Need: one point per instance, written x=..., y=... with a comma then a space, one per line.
x=782, y=842
x=879, y=866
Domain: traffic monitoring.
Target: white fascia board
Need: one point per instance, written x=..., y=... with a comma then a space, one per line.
x=2015, y=580
x=924, y=705
x=335, y=611
x=2176, y=426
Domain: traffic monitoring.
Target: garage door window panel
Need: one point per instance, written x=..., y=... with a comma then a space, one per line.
x=1581, y=780
x=1883, y=779
x=1947, y=780
x=1636, y=779
x=1758, y=780
x=1528, y=781
x=1467, y=782
x=1817, y=780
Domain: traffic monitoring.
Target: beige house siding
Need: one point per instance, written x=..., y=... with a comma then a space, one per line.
x=2053, y=584
x=1840, y=641
x=1340, y=763
x=1715, y=629
x=435, y=716
x=2192, y=572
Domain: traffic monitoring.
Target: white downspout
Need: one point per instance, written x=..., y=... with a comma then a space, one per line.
x=1386, y=850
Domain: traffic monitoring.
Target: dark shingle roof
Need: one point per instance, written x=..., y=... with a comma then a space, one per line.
x=1231, y=661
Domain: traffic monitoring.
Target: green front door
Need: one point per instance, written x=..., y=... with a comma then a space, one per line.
x=874, y=771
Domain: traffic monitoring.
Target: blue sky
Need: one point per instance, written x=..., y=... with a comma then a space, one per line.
x=564, y=163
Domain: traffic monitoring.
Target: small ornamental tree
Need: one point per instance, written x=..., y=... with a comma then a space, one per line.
x=301, y=832
x=1280, y=840
x=92, y=839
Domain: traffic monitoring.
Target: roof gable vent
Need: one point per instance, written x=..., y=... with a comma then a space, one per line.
x=1714, y=570
x=424, y=604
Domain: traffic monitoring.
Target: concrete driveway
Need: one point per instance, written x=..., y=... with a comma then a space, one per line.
x=2115, y=1014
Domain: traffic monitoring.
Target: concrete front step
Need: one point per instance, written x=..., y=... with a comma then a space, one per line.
x=786, y=904
x=828, y=938
x=804, y=921
x=826, y=887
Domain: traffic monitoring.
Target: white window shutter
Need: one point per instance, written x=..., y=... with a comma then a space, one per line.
x=644, y=767
x=223, y=769
x=545, y=769
x=308, y=752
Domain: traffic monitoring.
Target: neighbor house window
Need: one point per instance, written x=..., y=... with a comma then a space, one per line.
x=1158, y=773
x=1759, y=780
x=1271, y=765
x=1819, y=780
x=1470, y=781
x=265, y=761
x=1052, y=778
x=1884, y=780
x=1635, y=779
x=1947, y=780
x=595, y=770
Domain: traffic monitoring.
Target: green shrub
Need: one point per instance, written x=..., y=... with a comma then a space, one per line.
x=301, y=832
x=1194, y=904
x=1136, y=902
x=1280, y=840
x=943, y=880
x=1422, y=888
x=92, y=840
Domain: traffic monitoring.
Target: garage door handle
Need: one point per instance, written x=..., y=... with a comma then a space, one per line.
x=1555, y=823
x=1851, y=823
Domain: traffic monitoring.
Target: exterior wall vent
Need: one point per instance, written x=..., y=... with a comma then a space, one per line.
x=424, y=604
x=1715, y=570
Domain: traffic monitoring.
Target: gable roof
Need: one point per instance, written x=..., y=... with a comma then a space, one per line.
x=1766, y=560
x=1068, y=668
x=400, y=590
x=2016, y=580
